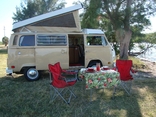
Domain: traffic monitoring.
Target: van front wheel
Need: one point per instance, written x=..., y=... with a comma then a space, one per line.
x=31, y=74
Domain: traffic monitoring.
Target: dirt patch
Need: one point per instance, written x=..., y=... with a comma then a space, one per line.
x=149, y=71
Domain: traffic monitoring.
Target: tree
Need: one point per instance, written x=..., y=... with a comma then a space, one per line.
x=31, y=8
x=89, y=19
x=145, y=43
x=5, y=40
x=120, y=16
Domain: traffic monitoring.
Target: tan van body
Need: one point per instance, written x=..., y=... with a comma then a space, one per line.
x=35, y=45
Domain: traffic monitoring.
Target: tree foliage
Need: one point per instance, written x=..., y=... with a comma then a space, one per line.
x=122, y=17
x=31, y=8
x=5, y=40
x=91, y=14
x=150, y=38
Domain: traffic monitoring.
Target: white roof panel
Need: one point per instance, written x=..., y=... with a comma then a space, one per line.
x=45, y=16
x=93, y=31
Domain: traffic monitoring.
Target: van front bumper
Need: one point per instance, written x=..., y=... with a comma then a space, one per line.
x=9, y=71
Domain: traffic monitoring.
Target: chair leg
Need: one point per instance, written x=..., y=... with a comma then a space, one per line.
x=114, y=92
x=71, y=94
x=91, y=95
x=61, y=93
x=52, y=96
x=126, y=88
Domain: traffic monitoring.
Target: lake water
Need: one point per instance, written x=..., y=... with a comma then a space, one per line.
x=149, y=55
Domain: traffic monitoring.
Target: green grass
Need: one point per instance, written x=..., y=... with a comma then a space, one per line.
x=20, y=98
x=3, y=60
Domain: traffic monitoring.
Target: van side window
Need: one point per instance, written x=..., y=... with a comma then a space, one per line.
x=27, y=40
x=96, y=40
x=15, y=40
x=51, y=40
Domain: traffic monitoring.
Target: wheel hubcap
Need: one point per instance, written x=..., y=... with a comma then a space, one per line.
x=32, y=73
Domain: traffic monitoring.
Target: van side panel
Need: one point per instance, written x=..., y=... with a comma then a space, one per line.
x=51, y=55
x=101, y=53
x=20, y=57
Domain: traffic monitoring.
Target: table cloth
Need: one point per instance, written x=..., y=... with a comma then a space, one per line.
x=99, y=79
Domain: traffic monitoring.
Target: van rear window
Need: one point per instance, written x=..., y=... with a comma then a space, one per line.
x=27, y=40
x=51, y=40
x=15, y=40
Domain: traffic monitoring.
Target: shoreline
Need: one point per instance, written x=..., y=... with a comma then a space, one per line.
x=143, y=59
x=149, y=72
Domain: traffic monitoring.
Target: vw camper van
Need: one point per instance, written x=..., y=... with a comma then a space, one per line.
x=47, y=39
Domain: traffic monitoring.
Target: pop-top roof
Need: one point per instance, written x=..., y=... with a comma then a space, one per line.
x=40, y=18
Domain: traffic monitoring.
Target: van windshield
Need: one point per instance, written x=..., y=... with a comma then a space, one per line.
x=96, y=40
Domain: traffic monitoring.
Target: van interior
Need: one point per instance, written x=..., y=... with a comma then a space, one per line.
x=76, y=50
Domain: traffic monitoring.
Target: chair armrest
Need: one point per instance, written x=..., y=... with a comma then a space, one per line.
x=64, y=71
x=133, y=71
x=69, y=72
x=71, y=79
x=114, y=68
x=60, y=77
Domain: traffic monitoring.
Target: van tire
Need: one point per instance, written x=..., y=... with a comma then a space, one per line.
x=93, y=64
x=31, y=74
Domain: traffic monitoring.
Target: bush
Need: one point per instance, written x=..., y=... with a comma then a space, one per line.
x=5, y=40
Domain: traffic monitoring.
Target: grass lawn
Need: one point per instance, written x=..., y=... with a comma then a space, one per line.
x=20, y=98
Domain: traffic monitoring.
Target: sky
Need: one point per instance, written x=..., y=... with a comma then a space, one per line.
x=8, y=7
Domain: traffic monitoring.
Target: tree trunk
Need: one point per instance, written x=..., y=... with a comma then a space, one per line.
x=124, y=39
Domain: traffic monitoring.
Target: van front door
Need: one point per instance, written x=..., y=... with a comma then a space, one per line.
x=50, y=49
x=97, y=49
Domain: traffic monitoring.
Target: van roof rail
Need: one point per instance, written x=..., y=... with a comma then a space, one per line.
x=93, y=31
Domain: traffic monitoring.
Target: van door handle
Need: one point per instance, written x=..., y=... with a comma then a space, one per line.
x=63, y=51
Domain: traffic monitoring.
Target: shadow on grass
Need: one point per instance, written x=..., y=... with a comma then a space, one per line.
x=3, y=51
x=22, y=98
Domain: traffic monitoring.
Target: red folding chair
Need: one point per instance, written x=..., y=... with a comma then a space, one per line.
x=124, y=67
x=61, y=84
